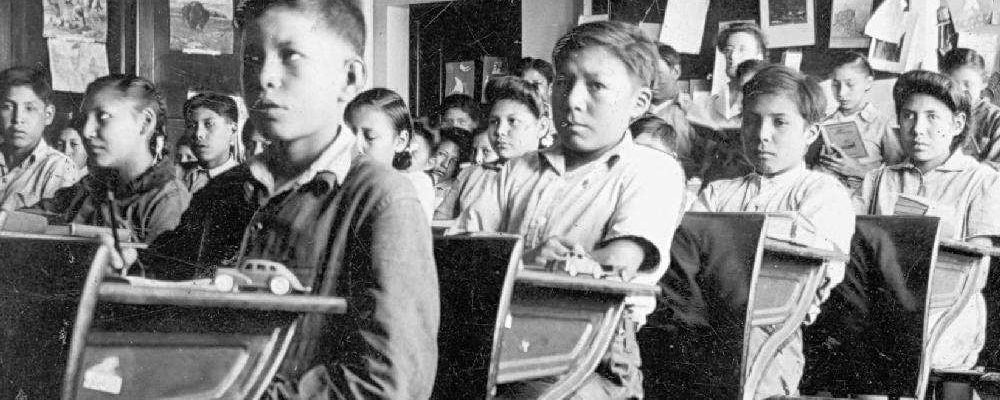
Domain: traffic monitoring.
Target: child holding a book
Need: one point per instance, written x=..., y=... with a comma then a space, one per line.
x=857, y=137
x=938, y=179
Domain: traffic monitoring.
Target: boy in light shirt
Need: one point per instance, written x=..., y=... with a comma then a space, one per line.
x=780, y=110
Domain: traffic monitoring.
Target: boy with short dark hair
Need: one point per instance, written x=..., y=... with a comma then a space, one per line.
x=30, y=169
x=343, y=223
x=688, y=146
x=595, y=190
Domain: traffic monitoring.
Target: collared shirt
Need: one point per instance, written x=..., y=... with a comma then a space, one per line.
x=350, y=227
x=38, y=177
x=814, y=196
x=149, y=205
x=469, y=186
x=877, y=134
x=984, y=132
x=196, y=177
x=966, y=196
x=631, y=191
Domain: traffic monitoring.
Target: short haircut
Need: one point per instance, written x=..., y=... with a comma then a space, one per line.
x=516, y=89
x=218, y=103
x=343, y=17
x=143, y=92
x=962, y=57
x=749, y=67
x=742, y=27
x=37, y=80
x=654, y=125
x=852, y=59
x=387, y=101
x=803, y=90
x=463, y=102
x=462, y=138
x=940, y=87
x=623, y=40
x=527, y=63
x=669, y=55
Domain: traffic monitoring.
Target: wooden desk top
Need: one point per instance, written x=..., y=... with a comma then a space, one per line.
x=124, y=293
x=556, y=280
x=781, y=246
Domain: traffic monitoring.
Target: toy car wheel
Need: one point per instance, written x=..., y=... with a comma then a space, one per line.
x=279, y=285
x=224, y=283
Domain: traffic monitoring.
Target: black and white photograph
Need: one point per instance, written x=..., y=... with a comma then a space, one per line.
x=499, y=200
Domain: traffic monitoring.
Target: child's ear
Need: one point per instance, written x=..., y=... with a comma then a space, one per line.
x=402, y=140
x=812, y=133
x=357, y=75
x=958, y=123
x=543, y=126
x=148, y=121
x=643, y=99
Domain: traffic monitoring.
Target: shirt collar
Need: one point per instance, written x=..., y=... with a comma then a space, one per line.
x=958, y=161
x=152, y=178
x=657, y=109
x=39, y=151
x=782, y=178
x=867, y=114
x=335, y=159
x=226, y=166
x=555, y=159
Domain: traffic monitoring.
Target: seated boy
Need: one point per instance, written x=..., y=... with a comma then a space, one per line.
x=30, y=169
x=780, y=110
x=595, y=190
x=343, y=223
x=688, y=146
x=933, y=113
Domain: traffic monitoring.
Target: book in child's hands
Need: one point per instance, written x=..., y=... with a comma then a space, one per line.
x=911, y=205
x=847, y=137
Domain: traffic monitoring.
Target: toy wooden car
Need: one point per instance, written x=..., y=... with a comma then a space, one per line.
x=258, y=274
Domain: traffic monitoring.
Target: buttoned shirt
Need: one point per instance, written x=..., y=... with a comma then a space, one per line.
x=470, y=185
x=630, y=192
x=196, y=177
x=44, y=171
x=878, y=136
x=815, y=197
x=966, y=196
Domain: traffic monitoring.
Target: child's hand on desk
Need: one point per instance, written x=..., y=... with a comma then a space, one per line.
x=553, y=249
x=118, y=261
x=836, y=161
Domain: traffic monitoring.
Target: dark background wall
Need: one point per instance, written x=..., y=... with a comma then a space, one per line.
x=458, y=31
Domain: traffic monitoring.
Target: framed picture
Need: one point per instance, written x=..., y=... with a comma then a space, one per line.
x=847, y=24
x=459, y=78
x=788, y=23
x=888, y=56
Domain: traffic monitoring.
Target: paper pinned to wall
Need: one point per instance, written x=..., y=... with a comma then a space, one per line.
x=85, y=21
x=75, y=64
x=884, y=25
x=847, y=24
x=684, y=25
x=792, y=58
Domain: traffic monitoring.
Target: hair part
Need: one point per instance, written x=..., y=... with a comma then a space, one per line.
x=742, y=27
x=528, y=63
x=144, y=93
x=962, y=57
x=940, y=87
x=33, y=78
x=343, y=17
x=803, y=90
x=623, y=40
x=516, y=89
x=388, y=102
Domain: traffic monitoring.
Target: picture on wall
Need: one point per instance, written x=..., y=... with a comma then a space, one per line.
x=788, y=23
x=460, y=78
x=493, y=67
x=888, y=56
x=201, y=26
x=80, y=20
x=74, y=64
x=847, y=23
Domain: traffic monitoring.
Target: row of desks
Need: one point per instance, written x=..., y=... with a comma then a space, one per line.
x=74, y=335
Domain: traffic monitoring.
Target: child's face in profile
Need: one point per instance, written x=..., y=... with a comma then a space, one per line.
x=850, y=84
x=296, y=74
x=114, y=128
x=927, y=127
x=972, y=81
x=376, y=134
x=593, y=100
x=775, y=135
